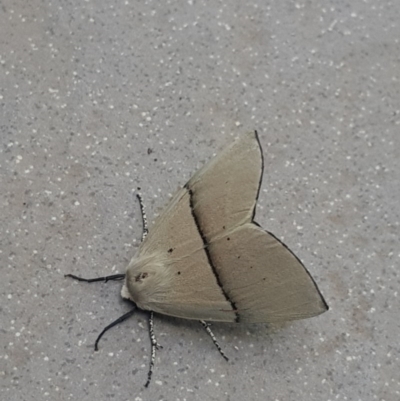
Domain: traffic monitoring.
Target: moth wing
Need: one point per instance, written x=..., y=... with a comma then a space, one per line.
x=219, y=196
x=190, y=289
x=220, y=265
x=264, y=279
x=225, y=191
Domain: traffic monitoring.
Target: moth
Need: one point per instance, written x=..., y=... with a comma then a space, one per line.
x=205, y=257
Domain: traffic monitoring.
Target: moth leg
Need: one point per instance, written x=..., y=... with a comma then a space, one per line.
x=154, y=346
x=211, y=334
x=92, y=280
x=114, y=323
x=144, y=217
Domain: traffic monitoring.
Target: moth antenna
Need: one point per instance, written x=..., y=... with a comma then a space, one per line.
x=154, y=346
x=92, y=280
x=144, y=217
x=213, y=338
x=114, y=323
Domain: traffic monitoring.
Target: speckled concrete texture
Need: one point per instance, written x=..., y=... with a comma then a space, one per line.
x=101, y=97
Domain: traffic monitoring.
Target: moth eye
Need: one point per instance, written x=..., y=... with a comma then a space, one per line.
x=141, y=276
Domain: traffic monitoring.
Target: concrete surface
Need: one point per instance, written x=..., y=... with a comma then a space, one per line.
x=101, y=97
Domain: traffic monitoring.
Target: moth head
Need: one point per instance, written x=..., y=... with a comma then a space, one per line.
x=147, y=280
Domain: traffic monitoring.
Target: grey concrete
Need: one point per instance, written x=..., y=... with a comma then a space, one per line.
x=101, y=97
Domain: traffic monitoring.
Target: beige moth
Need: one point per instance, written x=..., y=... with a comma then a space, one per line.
x=205, y=257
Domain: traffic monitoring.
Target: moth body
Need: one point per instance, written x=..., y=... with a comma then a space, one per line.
x=147, y=278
